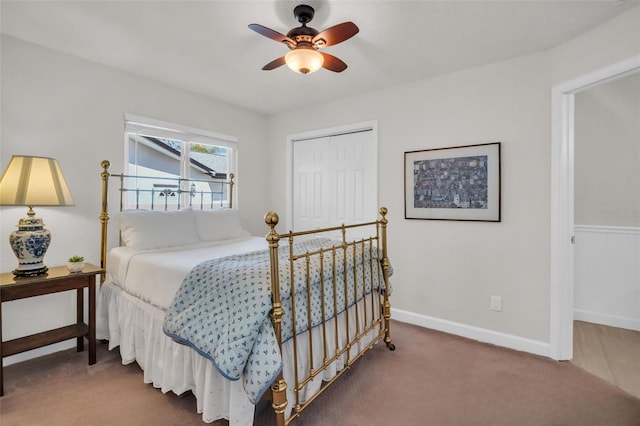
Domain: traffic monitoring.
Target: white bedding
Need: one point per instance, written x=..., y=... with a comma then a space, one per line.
x=155, y=275
x=131, y=307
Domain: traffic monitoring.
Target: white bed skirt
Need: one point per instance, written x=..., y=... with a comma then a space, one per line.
x=136, y=327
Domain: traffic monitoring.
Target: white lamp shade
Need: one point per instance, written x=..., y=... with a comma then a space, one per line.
x=34, y=181
x=303, y=60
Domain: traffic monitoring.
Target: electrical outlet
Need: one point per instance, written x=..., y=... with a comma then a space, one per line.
x=496, y=303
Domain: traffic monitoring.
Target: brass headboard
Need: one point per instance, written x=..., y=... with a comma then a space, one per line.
x=168, y=188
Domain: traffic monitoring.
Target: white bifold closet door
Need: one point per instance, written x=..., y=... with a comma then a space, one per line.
x=335, y=180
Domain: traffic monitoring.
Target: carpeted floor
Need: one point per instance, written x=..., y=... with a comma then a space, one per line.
x=431, y=379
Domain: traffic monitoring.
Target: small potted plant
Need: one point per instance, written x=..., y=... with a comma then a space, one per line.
x=75, y=264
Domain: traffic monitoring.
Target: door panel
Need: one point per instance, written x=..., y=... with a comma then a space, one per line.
x=344, y=189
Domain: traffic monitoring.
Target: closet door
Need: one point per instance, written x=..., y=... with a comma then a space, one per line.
x=335, y=180
x=310, y=184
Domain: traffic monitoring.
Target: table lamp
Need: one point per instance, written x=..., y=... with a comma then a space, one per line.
x=32, y=181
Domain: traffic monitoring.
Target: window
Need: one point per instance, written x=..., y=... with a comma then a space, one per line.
x=176, y=166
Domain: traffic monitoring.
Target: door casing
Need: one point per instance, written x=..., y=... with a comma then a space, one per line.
x=562, y=202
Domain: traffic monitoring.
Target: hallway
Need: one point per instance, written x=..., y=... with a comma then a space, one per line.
x=611, y=353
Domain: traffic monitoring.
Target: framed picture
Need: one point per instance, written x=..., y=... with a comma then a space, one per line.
x=458, y=183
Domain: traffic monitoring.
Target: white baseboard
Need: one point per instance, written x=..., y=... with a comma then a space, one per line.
x=606, y=319
x=475, y=333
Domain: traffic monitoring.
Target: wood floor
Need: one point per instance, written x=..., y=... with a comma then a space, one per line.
x=613, y=354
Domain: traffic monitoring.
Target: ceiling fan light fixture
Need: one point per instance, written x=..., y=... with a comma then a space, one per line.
x=304, y=60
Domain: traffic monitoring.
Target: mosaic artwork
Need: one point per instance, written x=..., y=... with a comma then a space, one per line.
x=459, y=183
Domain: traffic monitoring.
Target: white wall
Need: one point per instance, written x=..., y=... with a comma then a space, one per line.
x=607, y=154
x=64, y=107
x=446, y=269
x=445, y=272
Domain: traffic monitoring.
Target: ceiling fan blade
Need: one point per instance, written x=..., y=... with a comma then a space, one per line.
x=274, y=64
x=336, y=34
x=332, y=63
x=272, y=34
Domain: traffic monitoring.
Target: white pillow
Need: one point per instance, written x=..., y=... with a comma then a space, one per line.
x=147, y=229
x=219, y=224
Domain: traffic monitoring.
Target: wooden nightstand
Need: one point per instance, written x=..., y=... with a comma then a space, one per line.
x=57, y=279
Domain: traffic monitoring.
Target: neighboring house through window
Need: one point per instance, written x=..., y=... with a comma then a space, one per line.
x=176, y=166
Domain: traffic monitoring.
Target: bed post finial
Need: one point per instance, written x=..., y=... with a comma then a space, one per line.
x=104, y=216
x=271, y=219
x=383, y=213
x=279, y=387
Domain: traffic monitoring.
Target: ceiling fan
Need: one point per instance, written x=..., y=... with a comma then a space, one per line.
x=304, y=43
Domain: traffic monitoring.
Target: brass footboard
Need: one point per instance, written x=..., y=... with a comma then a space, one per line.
x=366, y=322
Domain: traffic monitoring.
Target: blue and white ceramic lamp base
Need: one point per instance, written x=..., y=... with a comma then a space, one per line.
x=30, y=243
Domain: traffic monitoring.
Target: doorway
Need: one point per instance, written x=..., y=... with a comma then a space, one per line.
x=562, y=204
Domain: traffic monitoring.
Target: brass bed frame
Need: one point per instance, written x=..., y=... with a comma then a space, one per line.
x=373, y=321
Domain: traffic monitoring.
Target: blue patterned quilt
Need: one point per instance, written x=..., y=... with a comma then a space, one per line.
x=222, y=308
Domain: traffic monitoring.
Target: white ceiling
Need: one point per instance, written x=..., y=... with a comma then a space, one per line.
x=206, y=47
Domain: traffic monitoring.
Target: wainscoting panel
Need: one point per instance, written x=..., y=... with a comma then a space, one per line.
x=607, y=276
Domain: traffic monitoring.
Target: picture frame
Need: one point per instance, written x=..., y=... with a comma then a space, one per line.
x=455, y=183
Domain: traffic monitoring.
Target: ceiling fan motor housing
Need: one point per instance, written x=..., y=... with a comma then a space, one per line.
x=303, y=13
x=303, y=35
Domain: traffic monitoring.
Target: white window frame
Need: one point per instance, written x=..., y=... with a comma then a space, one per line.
x=166, y=130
